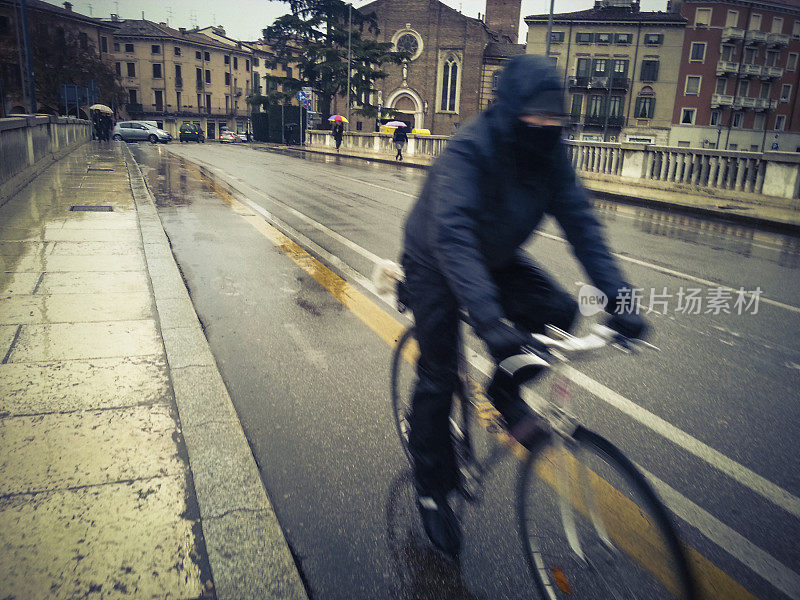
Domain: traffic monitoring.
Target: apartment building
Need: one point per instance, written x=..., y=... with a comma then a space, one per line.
x=620, y=67
x=739, y=76
x=176, y=76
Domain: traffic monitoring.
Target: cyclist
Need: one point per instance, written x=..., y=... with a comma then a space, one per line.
x=482, y=199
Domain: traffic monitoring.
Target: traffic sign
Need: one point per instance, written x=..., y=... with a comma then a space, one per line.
x=301, y=96
x=307, y=91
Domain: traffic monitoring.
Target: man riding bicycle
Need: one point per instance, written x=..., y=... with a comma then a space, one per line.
x=483, y=198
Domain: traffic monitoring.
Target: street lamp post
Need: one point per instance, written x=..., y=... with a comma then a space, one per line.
x=28, y=60
x=549, y=29
x=349, y=56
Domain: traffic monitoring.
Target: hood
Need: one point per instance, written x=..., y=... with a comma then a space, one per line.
x=529, y=84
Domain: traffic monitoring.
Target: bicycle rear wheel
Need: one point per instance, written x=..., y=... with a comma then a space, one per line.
x=592, y=527
x=404, y=377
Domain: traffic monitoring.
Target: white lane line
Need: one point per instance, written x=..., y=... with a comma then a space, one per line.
x=678, y=274
x=746, y=477
x=738, y=546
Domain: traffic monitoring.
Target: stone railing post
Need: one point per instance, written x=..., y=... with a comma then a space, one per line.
x=782, y=175
x=633, y=160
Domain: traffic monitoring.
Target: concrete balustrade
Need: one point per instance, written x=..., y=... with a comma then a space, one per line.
x=28, y=144
x=745, y=176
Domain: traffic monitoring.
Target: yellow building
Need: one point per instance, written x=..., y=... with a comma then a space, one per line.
x=176, y=76
x=620, y=68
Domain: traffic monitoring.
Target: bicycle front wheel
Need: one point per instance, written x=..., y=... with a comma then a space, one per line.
x=592, y=527
x=404, y=377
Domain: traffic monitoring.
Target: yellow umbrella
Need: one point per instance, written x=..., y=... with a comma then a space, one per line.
x=338, y=119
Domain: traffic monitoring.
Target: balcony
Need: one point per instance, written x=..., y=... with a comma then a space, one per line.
x=747, y=102
x=777, y=40
x=178, y=82
x=133, y=108
x=732, y=34
x=600, y=121
x=766, y=104
x=751, y=71
x=771, y=72
x=727, y=67
x=755, y=37
x=620, y=83
x=721, y=100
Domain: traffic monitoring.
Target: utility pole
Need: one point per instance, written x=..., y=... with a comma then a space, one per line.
x=28, y=59
x=17, y=27
x=549, y=29
x=349, y=56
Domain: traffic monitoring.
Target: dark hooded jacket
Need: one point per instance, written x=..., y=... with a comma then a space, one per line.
x=483, y=198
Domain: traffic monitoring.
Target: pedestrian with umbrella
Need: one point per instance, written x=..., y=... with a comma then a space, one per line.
x=338, y=129
x=399, y=138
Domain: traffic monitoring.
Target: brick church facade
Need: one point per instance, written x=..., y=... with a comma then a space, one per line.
x=451, y=73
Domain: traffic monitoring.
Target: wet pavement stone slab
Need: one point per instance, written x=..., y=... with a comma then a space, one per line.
x=75, y=308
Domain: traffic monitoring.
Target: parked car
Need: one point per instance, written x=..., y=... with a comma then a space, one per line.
x=227, y=136
x=137, y=131
x=191, y=133
x=242, y=136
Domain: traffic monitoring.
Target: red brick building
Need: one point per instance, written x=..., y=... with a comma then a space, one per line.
x=739, y=76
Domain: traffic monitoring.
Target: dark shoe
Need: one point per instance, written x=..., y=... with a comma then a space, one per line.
x=440, y=523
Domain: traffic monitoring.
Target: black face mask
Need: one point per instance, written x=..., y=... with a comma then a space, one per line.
x=536, y=141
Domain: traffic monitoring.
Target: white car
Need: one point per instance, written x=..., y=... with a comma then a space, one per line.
x=137, y=131
x=228, y=137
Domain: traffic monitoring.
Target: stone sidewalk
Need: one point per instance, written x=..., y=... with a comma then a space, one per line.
x=124, y=471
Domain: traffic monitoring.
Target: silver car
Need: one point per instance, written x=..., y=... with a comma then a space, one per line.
x=137, y=131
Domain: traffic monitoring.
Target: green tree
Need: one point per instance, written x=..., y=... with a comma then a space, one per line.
x=314, y=38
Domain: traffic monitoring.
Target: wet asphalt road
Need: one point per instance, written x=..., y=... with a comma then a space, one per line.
x=310, y=381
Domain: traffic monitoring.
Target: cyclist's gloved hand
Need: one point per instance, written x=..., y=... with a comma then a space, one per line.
x=503, y=340
x=630, y=325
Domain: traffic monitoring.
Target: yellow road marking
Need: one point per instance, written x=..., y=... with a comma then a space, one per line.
x=713, y=582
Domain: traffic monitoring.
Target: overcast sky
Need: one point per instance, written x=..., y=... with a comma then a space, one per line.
x=244, y=19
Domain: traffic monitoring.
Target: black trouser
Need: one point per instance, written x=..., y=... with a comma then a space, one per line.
x=529, y=297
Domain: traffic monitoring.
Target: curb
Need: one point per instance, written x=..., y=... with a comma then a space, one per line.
x=247, y=551
x=734, y=217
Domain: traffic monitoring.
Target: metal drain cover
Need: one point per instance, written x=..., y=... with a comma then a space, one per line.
x=86, y=208
x=98, y=169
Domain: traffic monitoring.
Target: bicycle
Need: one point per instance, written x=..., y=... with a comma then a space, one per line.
x=590, y=524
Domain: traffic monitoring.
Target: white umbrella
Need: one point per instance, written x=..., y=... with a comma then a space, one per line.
x=101, y=108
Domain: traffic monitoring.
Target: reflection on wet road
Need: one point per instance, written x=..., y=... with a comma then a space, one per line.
x=727, y=381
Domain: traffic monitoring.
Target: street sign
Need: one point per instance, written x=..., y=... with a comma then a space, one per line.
x=307, y=91
x=307, y=104
x=301, y=96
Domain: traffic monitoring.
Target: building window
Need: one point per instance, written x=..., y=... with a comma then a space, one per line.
x=615, y=106
x=156, y=70
x=118, y=69
x=722, y=85
x=116, y=46
x=702, y=17
x=256, y=61
x=716, y=117
x=247, y=65
x=766, y=88
x=654, y=39
x=772, y=58
x=178, y=100
x=556, y=37
x=649, y=70
x=759, y=121
x=83, y=40
x=155, y=49
x=159, y=100
x=698, y=53
x=596, y=106
x=227, y=103
x=207, y=57
x=208, y=102
x=577, y=105
x=692, y=87
x=621, y=68
x=623, y=38
x=737, y=120
x=227, y=78
x=645, y=106
x=600, y=67
x=289, y=73
x=755, y=22
x=235, y=62
x=198, y=55
x=687, y=116
x=583, y=68
x=129, y=48
x=603, y=38
x=732, y=19
x=786, y=92
x=796, y=30
x=791, y=62
x=178, y=73
x=495, y=80
x=780, y=122
x=750, y=55
x=131, y=69
x=208, y=76
x=226, y=59
x=777, y=25
x=449, y=83
x=583, y=38
x=177, y=50
x=103, y=44
x=727, y=52
x=744, y=88
x=199, y=102
x=132, y=96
